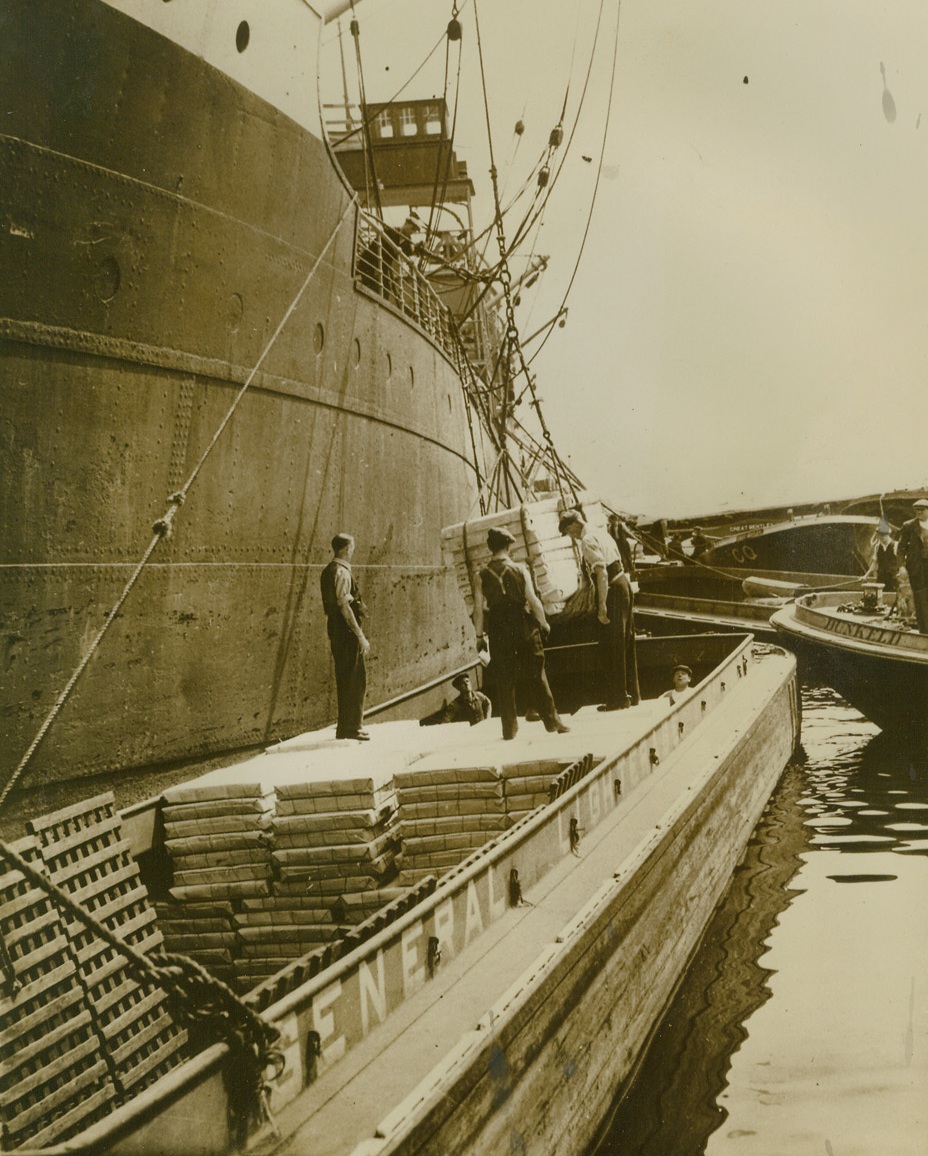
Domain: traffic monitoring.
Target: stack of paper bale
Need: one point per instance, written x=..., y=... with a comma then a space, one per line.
x=83, y=852
x=218, y=838
x=551, y=557
x=526, y=784
x=217, y=835
x=334, y=843
x=449, y=805
x=204, y=931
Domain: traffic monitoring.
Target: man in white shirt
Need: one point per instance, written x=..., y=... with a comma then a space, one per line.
x=614, y=602
x=682, y=677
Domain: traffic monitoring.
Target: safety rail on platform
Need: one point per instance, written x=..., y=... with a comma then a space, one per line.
x=384, y=267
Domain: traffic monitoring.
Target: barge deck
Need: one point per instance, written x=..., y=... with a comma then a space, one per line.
x=469, y=1021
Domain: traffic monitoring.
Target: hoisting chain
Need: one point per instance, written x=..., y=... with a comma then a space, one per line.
x=200, y=1002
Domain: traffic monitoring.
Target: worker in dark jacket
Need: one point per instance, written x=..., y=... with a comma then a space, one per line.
x=470, y=706
x=913, y=544
x=515, y=622
x=344, y=613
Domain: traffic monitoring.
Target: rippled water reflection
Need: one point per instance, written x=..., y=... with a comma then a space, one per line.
x=802, y=1025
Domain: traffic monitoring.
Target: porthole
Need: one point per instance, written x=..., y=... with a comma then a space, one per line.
x=236, y=309
x=242, y=36
x=318, y=338
x=107, y=278
x=356, y=352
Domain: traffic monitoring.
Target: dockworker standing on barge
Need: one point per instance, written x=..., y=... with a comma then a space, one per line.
x=515, y=622
x=886, y=557
x=913, y=542
x=614, y=602
x=344, y=613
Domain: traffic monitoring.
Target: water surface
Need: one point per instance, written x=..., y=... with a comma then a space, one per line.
x=802, y=1024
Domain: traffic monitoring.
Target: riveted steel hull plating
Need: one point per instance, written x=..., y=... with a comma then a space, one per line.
x=158, y=223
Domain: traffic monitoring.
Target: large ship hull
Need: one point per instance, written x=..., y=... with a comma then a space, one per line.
x=160, y=220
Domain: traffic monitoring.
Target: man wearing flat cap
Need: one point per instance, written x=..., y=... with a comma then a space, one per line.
x=913, y=545
x=681, y=678
x=515, y=621
x=471, y=706
x=602, y=565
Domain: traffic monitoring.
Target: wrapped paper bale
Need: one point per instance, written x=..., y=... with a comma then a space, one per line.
x=217, y=833
x=204, y=931
x=526, y=784
x=334, y=837
x=449, y=805
x=551, y=557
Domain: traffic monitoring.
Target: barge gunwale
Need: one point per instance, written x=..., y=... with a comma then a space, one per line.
x=127, y=1132
x=559, y=985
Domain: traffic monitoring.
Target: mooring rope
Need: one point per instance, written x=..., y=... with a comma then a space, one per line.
x=161, y=529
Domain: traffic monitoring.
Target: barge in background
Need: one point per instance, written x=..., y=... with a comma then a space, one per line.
x=463, y=1020
x=878, y=664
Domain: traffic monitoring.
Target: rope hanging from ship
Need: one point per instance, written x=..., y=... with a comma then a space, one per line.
x=162, y=527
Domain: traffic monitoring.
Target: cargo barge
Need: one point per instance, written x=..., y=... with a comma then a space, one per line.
x=510, y=995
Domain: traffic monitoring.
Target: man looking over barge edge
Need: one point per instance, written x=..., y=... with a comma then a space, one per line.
x=344, y=611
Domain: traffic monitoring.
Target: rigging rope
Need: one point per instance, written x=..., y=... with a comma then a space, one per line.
x=513, y=345
x=599, y=169
x=368, y=142
x=162, y=527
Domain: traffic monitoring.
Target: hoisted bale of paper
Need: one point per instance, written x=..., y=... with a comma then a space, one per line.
x=551, y=558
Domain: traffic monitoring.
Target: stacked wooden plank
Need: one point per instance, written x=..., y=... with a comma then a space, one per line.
x=55, y=1080
x=83, y=852
x=551, y=557
x=526, y=784
x=448, y=807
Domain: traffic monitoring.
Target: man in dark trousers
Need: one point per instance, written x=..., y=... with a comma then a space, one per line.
x=344, y=612
x=614, y=601
x=913, y=545
x=515, y=621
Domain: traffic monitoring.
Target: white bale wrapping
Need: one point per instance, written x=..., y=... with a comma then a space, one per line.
x=550, y=556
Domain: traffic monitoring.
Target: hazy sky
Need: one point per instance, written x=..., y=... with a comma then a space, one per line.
x=748, y=324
